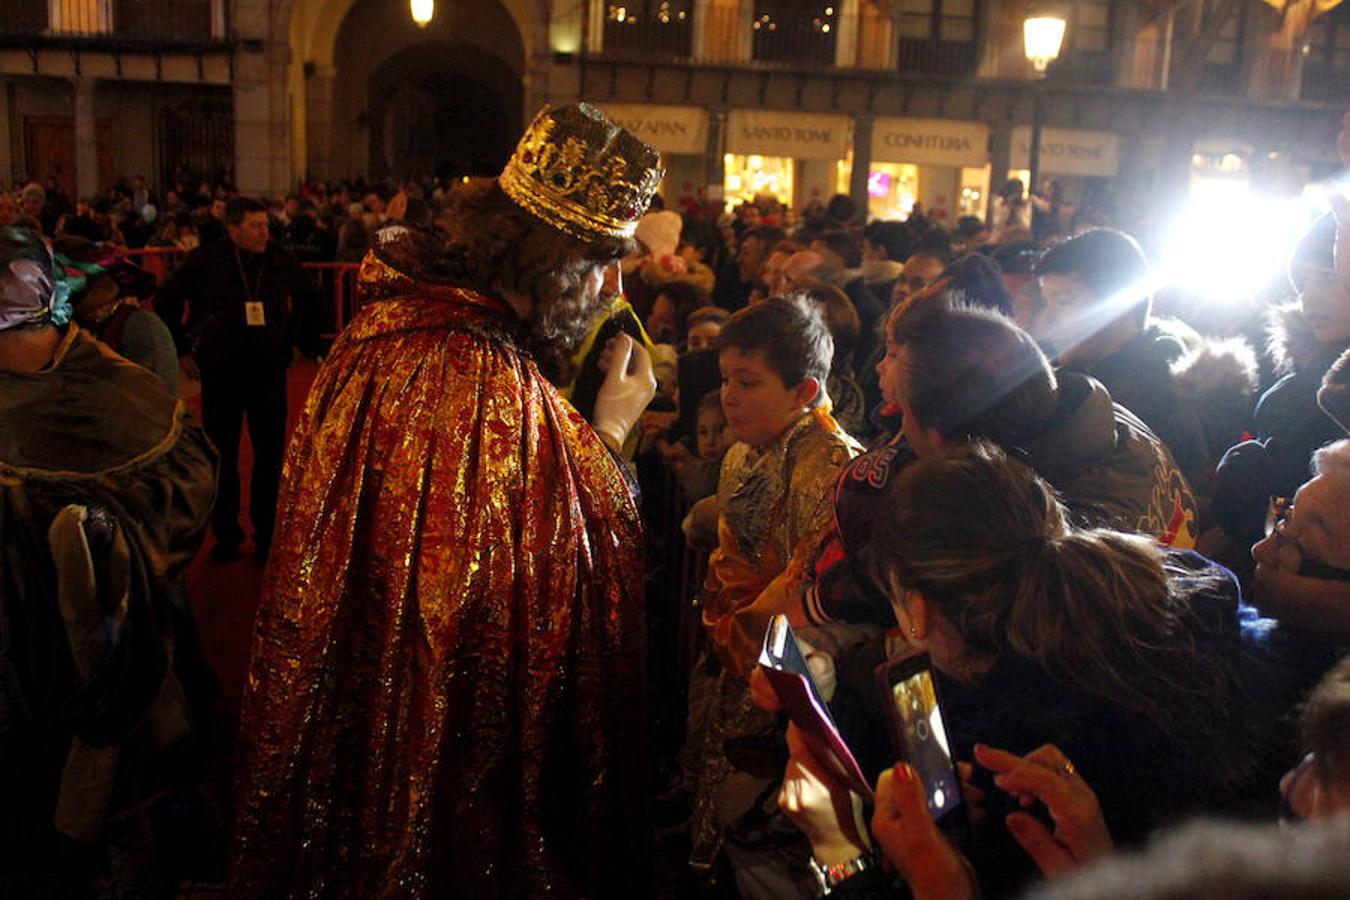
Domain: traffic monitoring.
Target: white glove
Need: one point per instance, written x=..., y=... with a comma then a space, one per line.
x=629, y=386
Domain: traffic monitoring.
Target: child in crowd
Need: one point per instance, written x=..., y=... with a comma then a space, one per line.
x=698, y=476
x=672, y=305
x=774, y=499
x=713, y=439
x=702, y=327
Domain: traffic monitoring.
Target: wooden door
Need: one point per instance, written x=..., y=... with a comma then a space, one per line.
x=49, y=147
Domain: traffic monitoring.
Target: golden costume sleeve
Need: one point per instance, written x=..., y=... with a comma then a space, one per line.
x=745, y=589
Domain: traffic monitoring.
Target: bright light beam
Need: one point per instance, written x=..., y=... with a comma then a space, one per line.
x=1229, y=242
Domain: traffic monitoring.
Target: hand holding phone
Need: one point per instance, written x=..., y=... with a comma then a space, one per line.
x=784, y=667
x=919, y=736
x=931, y=866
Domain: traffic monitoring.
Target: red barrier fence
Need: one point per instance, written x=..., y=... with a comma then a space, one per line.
x=337, y=281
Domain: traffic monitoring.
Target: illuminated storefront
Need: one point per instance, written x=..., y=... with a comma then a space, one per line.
x=943, y=164
x=680, y=133
x=1220, y=171
x=1070, y=156
x=795, y=157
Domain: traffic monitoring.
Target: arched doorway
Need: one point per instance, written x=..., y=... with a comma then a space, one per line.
x=443, y=108
x=444, y=100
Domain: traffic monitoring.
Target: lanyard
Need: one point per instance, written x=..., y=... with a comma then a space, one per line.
x=243, y=278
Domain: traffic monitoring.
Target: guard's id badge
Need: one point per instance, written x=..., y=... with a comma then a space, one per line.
x=253, y=313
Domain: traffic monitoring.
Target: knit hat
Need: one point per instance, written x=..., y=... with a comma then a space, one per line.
x=660, y=232
x=1315, y=251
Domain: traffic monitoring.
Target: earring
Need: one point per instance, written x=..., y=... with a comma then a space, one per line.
x=913, y=632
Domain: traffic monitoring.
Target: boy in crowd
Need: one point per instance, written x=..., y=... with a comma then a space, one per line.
x=774, y=500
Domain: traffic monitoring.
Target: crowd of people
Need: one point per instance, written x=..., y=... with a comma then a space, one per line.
x=1118, y=547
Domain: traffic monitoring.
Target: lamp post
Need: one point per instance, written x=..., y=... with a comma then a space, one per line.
x=1042, y=35
x=423, y=11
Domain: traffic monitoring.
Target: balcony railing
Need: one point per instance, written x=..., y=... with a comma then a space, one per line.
x=116, y=24
x=728, y=35
x=937, y=57
x=1325, y=85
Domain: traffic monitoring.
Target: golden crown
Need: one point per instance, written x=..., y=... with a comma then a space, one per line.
x=579, y=172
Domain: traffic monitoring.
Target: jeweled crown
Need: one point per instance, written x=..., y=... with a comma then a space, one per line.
x=579, y=172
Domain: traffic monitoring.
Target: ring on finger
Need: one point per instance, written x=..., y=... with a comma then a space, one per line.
x=1067, y=769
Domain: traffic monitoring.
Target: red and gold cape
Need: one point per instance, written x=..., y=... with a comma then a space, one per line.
x=446, y=691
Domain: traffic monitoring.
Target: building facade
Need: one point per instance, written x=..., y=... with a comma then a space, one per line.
x=893, y=101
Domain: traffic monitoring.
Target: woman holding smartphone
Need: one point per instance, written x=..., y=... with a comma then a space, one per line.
x=1140, y=665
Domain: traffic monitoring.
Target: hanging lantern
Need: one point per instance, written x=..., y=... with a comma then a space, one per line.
x=422, y=12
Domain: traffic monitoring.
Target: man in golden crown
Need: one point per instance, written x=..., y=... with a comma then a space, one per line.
x=445, y=696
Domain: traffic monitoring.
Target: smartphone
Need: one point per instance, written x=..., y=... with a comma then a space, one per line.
x=918, y=734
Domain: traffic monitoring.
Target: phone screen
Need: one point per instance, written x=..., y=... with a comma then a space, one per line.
x=920, y=729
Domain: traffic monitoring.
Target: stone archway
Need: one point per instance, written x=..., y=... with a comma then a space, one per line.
x=402, y=100
x=443, y=108
x=300, y=99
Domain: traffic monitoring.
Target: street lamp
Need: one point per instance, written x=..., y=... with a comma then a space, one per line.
x=1042, y=35
x=422, y=12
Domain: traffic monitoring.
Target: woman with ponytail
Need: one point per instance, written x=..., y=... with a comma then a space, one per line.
x=1141, y=663
x=1130, y=668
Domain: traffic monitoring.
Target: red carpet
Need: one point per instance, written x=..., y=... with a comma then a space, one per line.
x=225, y=598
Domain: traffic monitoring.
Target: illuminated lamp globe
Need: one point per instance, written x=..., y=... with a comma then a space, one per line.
x=423, y=11
x=1042, y=36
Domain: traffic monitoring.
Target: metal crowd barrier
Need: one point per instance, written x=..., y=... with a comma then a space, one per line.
x=336, y=280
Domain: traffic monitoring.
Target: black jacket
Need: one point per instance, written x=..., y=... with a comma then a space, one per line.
x=211, y=283
x=1139, y=377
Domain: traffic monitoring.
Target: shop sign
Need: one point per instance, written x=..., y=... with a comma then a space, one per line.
x=798, y=135
x=930, y=142
x=1095, y=154
x=670, y=129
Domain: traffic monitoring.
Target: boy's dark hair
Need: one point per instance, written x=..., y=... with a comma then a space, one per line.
x=1107, y=261
x=896, y=238
x=841, y=318
x=790, y=333
x=973, y=373
x=236, y=208
x=980, y=283
x=842, y=244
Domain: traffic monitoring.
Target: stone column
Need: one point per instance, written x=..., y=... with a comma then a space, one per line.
x=714, y=166
x=862, y=163
x=1000, y=160
x=846, y=34
x=261, y=121
x=320, y=86
x=86, y=139
x=262, y=158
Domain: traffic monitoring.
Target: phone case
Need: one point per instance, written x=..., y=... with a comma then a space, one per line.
x=783, y=664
